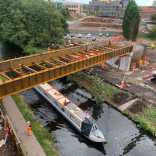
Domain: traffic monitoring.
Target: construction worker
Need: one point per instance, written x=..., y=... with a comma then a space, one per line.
x=64, y=103
x=103, y=65
x=140, y=62
x=122, y=85
x=48, y=49
x=28, y=128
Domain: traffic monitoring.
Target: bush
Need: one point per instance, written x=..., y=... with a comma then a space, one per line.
x=152, y=33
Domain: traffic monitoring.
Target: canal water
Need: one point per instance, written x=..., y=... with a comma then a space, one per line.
x=9, y=51
x=123, y=136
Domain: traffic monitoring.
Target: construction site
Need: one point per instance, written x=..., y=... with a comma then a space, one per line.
x=101, y=23
x=115, y=60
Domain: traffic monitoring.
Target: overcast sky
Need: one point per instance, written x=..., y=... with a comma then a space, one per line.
x=139, y=2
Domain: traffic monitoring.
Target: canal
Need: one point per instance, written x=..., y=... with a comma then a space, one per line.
x=123, y=136
x=9, y=50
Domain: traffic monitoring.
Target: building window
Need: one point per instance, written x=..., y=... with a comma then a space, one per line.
x=62, y=109
x=71, y=117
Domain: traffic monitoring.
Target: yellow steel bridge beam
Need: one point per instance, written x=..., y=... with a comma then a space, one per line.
x=38, y=58
x=28, y=81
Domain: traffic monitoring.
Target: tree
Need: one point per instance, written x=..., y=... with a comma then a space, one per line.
x=65, y=12
x=31, y=23
x=152, y=33
x=153, y=17
x=64, y=16
x=131, y=21
x=154, y=3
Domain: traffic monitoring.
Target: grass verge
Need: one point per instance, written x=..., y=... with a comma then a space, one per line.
x=95, y=32
x=145, y=119
x=36, y=50
x=89, y=83
x=42, y=134
x=75, y=19
x=147, y=39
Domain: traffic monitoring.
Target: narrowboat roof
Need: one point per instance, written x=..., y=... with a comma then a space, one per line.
x=65, y=102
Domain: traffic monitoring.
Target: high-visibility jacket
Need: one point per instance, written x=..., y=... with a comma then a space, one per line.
x=103, y=65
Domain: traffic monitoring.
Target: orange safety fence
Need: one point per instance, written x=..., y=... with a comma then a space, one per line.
x=145, y=59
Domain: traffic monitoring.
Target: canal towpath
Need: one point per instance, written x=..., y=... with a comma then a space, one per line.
x=29, y=142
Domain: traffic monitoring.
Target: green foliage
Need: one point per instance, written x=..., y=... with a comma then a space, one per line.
x=30, y=50
x=147, y=120
x=91, y=71
x=86, y=11
x=154, y=3
x=98, y=88
x=2, y=78
x=152, y=33
x=65, y=12
x=31, y=23
x=64, y=15
x=55, y=62
x=153, y=17
x=131, y=21
x=35, y=50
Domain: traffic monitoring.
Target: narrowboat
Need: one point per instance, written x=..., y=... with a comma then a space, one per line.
x=82, y=121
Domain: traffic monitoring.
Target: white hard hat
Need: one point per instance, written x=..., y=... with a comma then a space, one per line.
x=28, y=122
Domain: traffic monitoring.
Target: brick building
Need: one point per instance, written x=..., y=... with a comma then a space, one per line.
x=147, y=12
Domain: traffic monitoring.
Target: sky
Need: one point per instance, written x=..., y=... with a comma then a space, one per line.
x=139, y=2
x=144, y=2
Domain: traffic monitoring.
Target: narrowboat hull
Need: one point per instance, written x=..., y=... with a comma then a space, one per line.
x=58, y=109
x=83, y=122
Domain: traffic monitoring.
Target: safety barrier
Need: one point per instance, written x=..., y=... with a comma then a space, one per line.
x=15, y=140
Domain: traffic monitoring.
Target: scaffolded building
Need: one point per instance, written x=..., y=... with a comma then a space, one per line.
x=108, y=8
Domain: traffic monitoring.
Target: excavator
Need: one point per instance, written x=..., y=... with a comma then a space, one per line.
x=103, y=27
x=116, y=38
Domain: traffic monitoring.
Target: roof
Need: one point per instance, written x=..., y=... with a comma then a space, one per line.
x=151, y=10
x=66, y=103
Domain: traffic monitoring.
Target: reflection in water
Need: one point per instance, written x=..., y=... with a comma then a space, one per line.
x=123, y=137
x=9, y=50
x=132, y=144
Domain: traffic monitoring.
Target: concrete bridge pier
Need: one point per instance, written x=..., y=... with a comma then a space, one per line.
x=122, y=63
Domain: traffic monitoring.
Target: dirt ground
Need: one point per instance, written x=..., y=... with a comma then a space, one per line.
x=137, y=107
x=7, y=149
x=114, y=76
x=96, y=23
x=134, y=78
x=120, y=98
x=73, y=16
